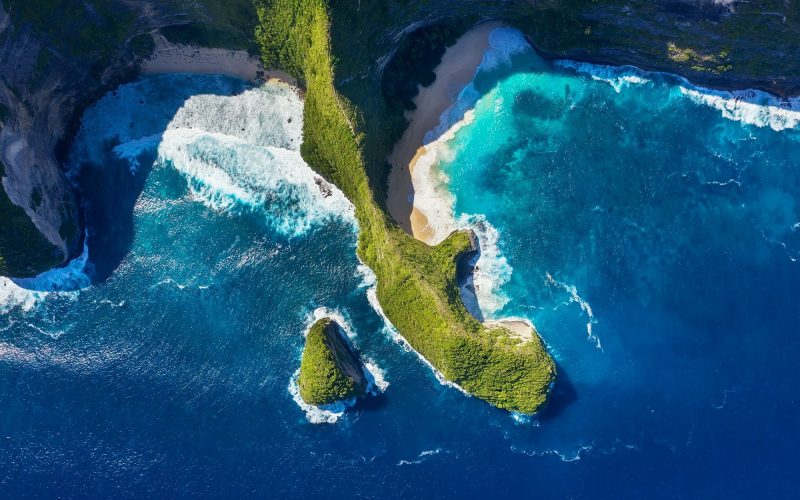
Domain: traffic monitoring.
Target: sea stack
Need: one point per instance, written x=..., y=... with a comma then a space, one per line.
x=330, y=370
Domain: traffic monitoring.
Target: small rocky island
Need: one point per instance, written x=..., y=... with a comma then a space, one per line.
x=330, y=370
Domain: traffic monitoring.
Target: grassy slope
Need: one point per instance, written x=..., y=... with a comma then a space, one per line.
x=416, y=283
x=321, y=381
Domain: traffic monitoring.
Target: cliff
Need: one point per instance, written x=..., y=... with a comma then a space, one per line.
x=329, y=371
x=56, y=58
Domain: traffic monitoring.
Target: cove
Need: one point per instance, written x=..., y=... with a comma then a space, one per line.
x=170, y=370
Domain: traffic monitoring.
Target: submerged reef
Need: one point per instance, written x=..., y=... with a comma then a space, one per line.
x=330, y=370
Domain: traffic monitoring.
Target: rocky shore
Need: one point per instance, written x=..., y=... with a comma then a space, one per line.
x=52, y=70
x=330, y=370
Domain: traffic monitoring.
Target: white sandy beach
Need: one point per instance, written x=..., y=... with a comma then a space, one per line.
x=172, y=58
x=413, y=179
x=456, y=69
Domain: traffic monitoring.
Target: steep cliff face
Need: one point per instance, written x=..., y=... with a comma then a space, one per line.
x=56, y=58
x=727, y=44
x=330, y=370
x=40, y=219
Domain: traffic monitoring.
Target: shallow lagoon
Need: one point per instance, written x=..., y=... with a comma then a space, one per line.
x=673, y=225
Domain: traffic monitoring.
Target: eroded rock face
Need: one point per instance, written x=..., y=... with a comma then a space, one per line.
x=56, y=59
x=32, y=124
x=330, y=370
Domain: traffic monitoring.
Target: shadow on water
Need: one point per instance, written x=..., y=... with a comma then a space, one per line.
x=373, y=403
x=563, y=394
x=110, y=191
x=483, y=83
x=465, y=269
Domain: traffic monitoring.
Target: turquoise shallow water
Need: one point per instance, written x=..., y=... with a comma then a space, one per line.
x=643, y=213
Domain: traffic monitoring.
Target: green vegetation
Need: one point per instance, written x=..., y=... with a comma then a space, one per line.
x=25, y=251
x=322, y=380
x=416, y=283
x=226, y=24
x=80, y=28
x=417, y=56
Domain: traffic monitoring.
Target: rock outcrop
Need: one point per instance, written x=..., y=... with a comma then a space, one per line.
x=330, y=370
x=57, y=58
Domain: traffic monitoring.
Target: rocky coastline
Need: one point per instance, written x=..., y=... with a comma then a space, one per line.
x=46, y=84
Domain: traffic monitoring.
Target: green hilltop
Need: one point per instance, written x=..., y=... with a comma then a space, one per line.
x=329, y=370
x=416, y=283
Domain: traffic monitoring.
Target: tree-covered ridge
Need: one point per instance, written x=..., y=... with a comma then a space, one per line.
x=416, y=283
x=322, y=379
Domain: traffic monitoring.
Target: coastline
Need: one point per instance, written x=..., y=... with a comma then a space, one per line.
x=415, y=197
x=454, y=72
x=418, y=198
x=168, y=58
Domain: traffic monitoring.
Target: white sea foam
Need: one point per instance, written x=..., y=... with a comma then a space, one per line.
x=564, y=456
x=25, y=293
x=522, y=418
x=585, y=307
x=324, y=414
x=391, y=331
x=577, y=453
x=423, y=455
x=724, y=402
x=14, y=297
x=340, y=317
x=492, y=270
x=504, y=43
x=375, y=376
x=224, y=172
x=237, y=152
x=432, y=196
x=619, y=77
x=752, y=107
x=133, y=149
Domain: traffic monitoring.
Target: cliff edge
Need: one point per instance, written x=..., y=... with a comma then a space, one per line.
x=330, y=370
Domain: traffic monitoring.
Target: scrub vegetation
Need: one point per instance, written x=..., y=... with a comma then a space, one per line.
x=322, y=381
x=26, y=250
x=80, y=28
x=416, y=283
x=227, y=24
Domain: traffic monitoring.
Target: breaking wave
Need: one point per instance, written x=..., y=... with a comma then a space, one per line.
x=749, y=106
x=376, y=377
x=619, y=77
x=752, y=107
x=25, y=293
x=482, y=292
x=585, y=307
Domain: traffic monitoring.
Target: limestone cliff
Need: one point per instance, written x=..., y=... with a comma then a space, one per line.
x=56, y=58
x=59, y=56
x=330, y=370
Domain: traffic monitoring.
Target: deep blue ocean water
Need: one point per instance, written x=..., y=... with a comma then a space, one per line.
x=620, y=202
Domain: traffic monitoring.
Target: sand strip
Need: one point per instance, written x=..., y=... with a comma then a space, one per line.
x=172, y=58
x=455, y=71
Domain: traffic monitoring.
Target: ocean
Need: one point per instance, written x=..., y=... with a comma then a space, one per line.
x=649, y=228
